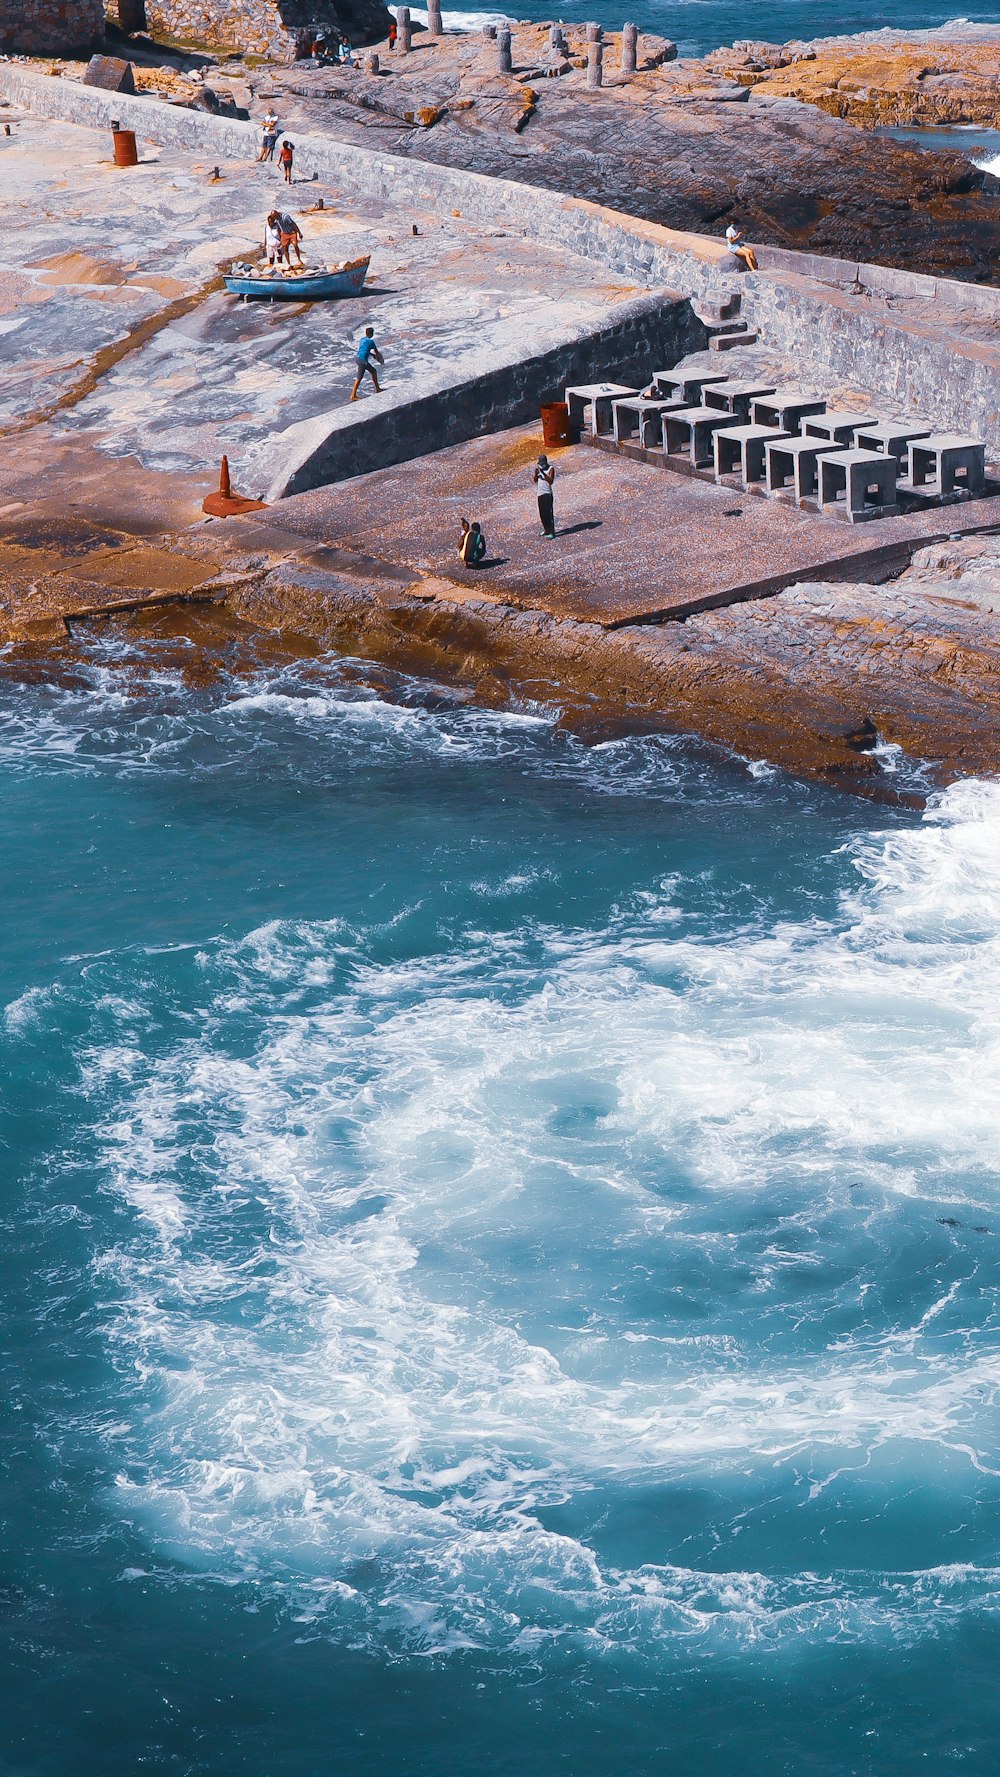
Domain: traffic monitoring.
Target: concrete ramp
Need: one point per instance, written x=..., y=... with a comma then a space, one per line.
x=481, y=394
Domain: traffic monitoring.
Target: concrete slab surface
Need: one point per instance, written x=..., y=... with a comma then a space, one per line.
x=114, y=323
x=635, y=543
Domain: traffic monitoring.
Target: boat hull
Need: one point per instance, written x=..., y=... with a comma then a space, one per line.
x=308, y=287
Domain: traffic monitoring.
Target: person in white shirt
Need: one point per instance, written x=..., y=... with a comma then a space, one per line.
x=738, y=247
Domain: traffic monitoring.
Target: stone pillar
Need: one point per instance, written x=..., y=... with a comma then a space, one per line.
x=371, y=63
x=435, y=26
x=403, y=30
x=594, y=33
x=557, y=42
x=490, y=33
x=505, y=60
x=630, y=48
x=595, y=64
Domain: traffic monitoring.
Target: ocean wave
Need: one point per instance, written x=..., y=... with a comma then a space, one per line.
x=440, y=1267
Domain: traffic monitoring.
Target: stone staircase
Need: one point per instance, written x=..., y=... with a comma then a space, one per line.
x=721, y=319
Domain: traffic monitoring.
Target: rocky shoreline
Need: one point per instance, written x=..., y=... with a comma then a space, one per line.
x=690, y=144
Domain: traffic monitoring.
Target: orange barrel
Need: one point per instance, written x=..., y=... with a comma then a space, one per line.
x=126, y=153
x=555, y=423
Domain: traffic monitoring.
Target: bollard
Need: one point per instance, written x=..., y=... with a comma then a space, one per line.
x=594, y=33
x=595, y=64
x=435, y=25
x=630, y=48
x=490, y=33
x=403, y=30
x=505, y=60
x=226, y=504
x=371, y=63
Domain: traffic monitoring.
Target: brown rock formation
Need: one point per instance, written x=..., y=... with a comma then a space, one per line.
x=872, y=83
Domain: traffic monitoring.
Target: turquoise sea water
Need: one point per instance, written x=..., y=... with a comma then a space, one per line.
x=697, y=26
x=500, y=1247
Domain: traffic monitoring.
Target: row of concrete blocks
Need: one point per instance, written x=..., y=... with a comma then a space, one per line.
x=784, y=442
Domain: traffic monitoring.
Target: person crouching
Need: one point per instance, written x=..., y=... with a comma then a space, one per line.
x=472, y=544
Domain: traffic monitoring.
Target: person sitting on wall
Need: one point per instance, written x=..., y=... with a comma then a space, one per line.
x=738, y=247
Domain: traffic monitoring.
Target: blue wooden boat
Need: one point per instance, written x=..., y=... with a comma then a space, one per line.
x=311, y=284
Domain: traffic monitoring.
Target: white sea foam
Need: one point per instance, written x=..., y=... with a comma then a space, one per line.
x=412, y=1271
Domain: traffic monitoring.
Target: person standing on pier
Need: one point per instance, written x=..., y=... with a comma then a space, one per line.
x=367, y=350
x=543, y=476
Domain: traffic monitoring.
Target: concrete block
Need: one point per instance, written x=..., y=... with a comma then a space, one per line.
x=858, y=484
x=791, y=463
x=687, y=431
x=735, y=397
x=686, y=385
x=836, y=427
x=893, y=437
x=591, y=406
x=739, y=450
x=641, y=417
x=947, y=462
x=786, y=409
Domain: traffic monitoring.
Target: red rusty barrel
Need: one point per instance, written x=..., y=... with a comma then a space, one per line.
x=126, y=152
x=555, y=423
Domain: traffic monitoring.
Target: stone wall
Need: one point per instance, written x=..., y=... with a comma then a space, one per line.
x=276, y=29
x=501, y=391
x=50, y=27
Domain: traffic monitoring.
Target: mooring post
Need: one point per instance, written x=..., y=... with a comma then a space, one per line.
x=505, y=60
x=404, y=30
x=630, y=48
x=595, y=64
x=434, y=22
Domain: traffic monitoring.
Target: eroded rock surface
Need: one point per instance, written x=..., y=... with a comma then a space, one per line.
x=691, y=144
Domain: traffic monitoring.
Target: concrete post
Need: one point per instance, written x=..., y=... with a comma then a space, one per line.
x=630, y=48
x=505, y=60
x=594, y=33
x=434, y=24
x=371, y=63
x=490, y=33
x=595, y=64
x=403, y=30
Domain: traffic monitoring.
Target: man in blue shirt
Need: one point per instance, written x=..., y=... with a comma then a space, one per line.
x=367, y=350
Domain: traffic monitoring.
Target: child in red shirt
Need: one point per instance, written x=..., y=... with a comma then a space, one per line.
x=285, y=159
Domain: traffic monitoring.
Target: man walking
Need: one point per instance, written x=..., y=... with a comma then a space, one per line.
x=367, y=350
x=543, y=476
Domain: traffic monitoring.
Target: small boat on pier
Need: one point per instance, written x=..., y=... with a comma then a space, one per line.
x=305, y=283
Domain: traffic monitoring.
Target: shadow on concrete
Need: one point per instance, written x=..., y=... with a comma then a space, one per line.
x=586, y=524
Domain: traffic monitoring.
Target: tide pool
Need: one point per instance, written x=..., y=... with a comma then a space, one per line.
x=501, y=1245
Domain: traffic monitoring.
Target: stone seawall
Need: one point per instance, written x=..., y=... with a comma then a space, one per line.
x=506, y=392
x=834, y=317
x=50, y=27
